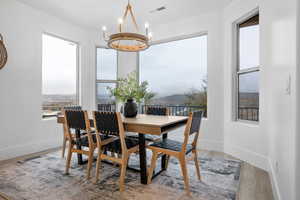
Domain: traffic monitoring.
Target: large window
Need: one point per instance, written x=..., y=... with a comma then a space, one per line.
x=247, y=74
x=177, y=74
x=106, y=77
x=59, y=74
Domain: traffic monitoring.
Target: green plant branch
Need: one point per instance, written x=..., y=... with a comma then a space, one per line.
x=129, y=88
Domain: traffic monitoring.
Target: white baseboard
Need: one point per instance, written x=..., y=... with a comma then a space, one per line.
x=211, y=145
x=274, y=182
x=251, y=157
x=20, y=150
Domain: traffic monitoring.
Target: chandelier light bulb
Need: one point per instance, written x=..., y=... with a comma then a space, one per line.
x=120, y=21
x=150, y=35
x=104, y=28
x=146, y=25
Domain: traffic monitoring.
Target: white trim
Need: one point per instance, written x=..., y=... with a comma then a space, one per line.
x=236, y=62
x=96, y=73
x=180, y=37
x=274, y=182
x=20, y=150
x=247, y=16
x=78, y=68
x=241, y=121
x=246, y=155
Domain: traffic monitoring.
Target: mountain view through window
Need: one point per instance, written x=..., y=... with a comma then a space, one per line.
x=177, y=74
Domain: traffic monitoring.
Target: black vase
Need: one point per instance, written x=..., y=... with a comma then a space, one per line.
x=130, y=108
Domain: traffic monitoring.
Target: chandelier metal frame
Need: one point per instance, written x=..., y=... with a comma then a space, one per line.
x=139, y=41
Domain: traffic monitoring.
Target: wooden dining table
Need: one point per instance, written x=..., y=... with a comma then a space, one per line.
x=146, y=124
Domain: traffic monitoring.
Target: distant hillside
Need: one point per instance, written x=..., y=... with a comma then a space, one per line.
x=58, y=98
x=177, y=99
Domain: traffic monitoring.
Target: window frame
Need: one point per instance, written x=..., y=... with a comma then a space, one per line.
x=77, y=100
x=104, y=80
x=174, y=39
x=237, y=71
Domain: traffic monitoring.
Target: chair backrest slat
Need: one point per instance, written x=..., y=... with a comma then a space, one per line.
x=107, y=123
x=196, y=122
x=156, y=111
x=193, y=127
x=107, y=107
x=72, y=108
x=75, y=119
x=110, y=123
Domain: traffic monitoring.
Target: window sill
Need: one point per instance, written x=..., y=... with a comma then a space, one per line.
x=49, y=118
x=247, y=122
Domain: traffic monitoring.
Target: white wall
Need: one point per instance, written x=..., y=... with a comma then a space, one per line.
x=297, y=138
x=242, y=140
x=272, y=140
x=127, y=63
x=279, y=60
x=22, y=129
x=211, y=128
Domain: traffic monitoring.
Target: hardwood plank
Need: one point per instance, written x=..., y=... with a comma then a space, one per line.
x=255, y=184
x=263, y=191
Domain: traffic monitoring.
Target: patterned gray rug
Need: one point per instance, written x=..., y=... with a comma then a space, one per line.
x=43, y=178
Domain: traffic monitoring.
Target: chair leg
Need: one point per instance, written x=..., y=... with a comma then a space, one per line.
x=197, y=164
x=64, y=146
x=184, y=173
x=90, y=163
x=167, y=161
x=69, y=157
x=123, y=173
x=152, y=167
x=98, y=165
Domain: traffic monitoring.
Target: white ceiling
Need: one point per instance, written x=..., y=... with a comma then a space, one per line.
x=96, y=13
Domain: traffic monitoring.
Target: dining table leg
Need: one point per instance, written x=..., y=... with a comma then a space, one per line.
x=143, y=158
x=164, y=157
x=79, y=155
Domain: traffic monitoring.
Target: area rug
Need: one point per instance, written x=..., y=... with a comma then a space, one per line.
x=43, y=177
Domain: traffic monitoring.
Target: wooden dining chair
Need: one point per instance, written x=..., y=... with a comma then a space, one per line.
x=65, y=135
x=110, y=124
x=178, y=149
x=78, y=120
